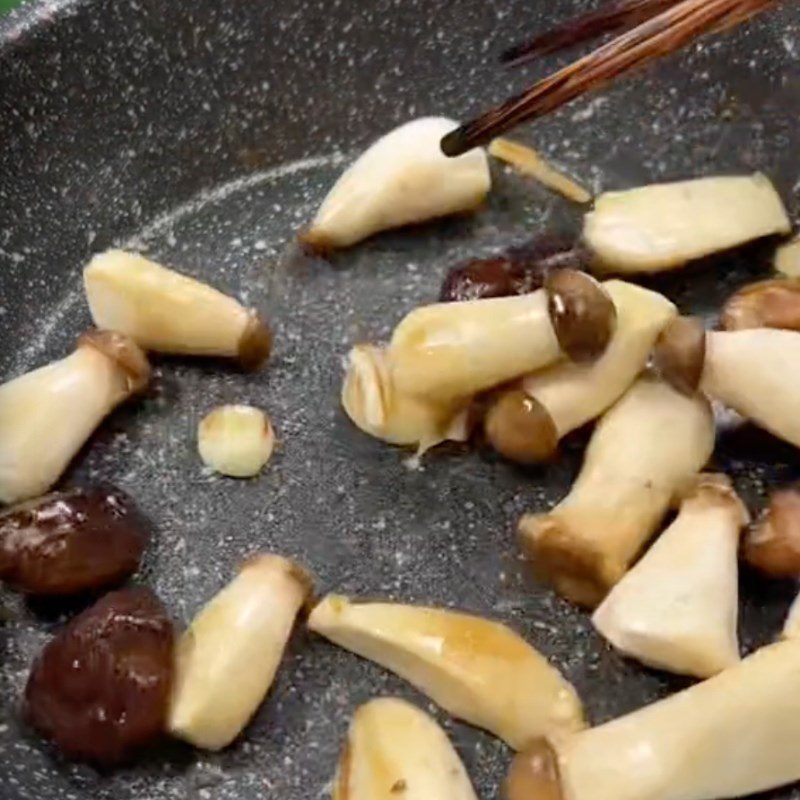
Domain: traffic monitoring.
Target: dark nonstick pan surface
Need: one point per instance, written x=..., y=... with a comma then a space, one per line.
x=204, y=134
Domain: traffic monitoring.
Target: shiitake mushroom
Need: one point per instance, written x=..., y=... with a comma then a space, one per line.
x=70, y=542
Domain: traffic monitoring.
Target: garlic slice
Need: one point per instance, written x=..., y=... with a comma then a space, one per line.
x=227, y=659
x=574, y=394
x=47, y=415
x=394, y=750
x=662, y=226
x=478, y=670
x=236, y=440
x=165, y=311
x=733, y=735
x=642, y=453
x=403, y=178
x=677, y=608
x=754, y=372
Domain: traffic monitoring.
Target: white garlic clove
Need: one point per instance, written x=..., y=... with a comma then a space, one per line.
x=662, y=226
x=641, y=455
x=236, y=440
x=476, y=669
x=47, y=415
x=394, y=750
x=227, y=659
x=167, y=312
x=677, y=609
x=403, y=178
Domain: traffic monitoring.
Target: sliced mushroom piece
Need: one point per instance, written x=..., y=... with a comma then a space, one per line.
x=165, y=311
x=47, y=415
x=642, y=453
x=787, y=259
x=772, y=545
x=767, y=304
x=227, y=659
x=478, y=670
x=680, y=354
x=394, y=750
x=574, y=394
x=733, y=735
x=403, y=178
x=662, y=226
x=754, y=372
x=677, y=608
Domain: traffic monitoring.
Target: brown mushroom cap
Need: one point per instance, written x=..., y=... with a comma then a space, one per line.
x=533, y=774
x=680, y=354
x=772, y=545
x=773, y=303
x=122, y=350
x=255, y=344
x=520, y=428
x=583, y=314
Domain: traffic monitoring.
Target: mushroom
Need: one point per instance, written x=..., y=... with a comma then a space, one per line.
x=568, y=395
x=403, y=178
x=227, y=659
x=395, y=750
x=677, y=608
x=787, y=259
x=235, y=440
x=477, y=670
x=165, y=311
x=772, y=545
x=754, y=372
x=455, y=350
x=642, y=453
x=773, y=303
x=680, y=354
x=791, y=627
x=47, y=415
x=730, y=736
x=661, y=227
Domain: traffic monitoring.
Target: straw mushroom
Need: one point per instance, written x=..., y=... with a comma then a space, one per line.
x=772, y=545
x=402, y=179
x=680, y=354
x=733, y=735
x=773, y=303
x=661, y=227
x=754, y=372
x=642, y=453
x=395, y=750
x=167, y=312
x=227, y=659
x=478, y=670
x=47, y=415
x=677, y=608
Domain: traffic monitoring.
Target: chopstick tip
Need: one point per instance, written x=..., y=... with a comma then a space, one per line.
x=455, y=143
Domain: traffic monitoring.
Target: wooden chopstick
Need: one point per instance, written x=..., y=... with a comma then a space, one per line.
x=681, y=23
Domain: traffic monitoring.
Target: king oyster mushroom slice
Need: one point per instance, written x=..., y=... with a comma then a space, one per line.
x=227, y=659
x=754, y=372
x=574, y=394
x=773, y=303
x=642, y=453
x=450, y=351
x=47, y=415
x=394, y=750
x=662, y=226
x=478, y=670
x=167, y=312
x=677, y=608
x=403, y=178
x=733, y=735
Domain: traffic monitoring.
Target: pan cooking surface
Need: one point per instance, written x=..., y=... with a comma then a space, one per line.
x=347, y=506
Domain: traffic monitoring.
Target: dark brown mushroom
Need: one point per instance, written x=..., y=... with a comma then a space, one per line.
x=680, y=354
x=520, y=428
x=773, y=303
x=772, y=545
x=534, y=774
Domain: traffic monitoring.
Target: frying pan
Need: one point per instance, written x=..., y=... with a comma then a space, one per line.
x=205, y=134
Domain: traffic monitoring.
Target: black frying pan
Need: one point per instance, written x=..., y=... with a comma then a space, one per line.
x=205, y=133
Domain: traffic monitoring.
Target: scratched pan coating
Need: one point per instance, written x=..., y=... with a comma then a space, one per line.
x=205, y=134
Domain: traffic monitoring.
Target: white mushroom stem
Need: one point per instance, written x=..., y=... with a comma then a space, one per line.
x=47, y=415
x=660, y=227
x=641, y=455
x=165, y=311
x=403, y=178
x=453, y=351
x=677, y=608
x=755, y=372
x=574, y=394
x=227, y=659
x=476, y=669
x=733, y=735
x=394, y=750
